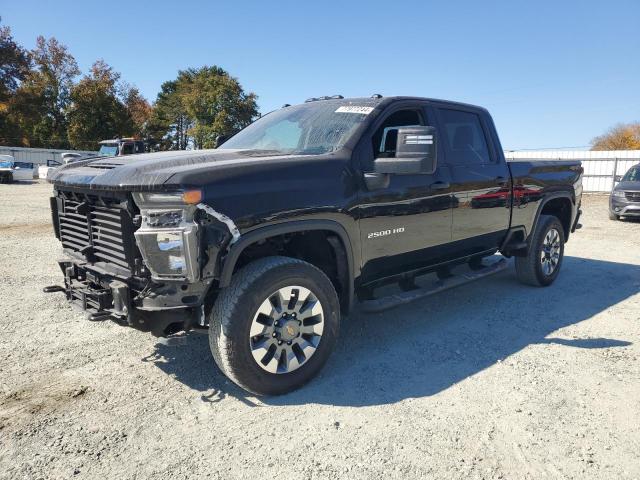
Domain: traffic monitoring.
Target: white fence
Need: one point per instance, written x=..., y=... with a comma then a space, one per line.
x=38, y=156
x=600, y=167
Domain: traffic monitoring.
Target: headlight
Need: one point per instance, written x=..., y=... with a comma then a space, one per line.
x=168, y=237
x=170, y=254
x=617, y=193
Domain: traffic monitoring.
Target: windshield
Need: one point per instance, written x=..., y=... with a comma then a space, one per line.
x=108, y=150
x=633, y=175
x=311, y=128
x=6, y=164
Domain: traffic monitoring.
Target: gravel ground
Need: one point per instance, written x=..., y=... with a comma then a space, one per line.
x=492, y=380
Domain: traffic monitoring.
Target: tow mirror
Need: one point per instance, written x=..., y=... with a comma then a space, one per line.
x=415, y=153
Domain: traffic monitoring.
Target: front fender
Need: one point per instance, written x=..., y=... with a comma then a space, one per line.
x=231, y=258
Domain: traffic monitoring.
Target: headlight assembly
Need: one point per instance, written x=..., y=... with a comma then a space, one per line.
x=617, y=193
x=168, y=237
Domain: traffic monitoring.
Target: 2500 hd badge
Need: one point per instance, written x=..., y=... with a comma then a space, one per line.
x=384, y=233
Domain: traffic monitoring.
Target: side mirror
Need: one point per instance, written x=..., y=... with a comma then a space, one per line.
x=416, y=152
x=618, y=178
x=220, y=139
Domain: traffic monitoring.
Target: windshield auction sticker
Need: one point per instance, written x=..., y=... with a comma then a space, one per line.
x=355, y=109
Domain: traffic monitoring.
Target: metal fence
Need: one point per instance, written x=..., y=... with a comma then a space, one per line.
x=600, y=167
x=38, y=156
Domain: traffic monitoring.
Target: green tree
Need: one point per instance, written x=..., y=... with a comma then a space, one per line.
x=97, y=111
x=14, y=66
x=200, y=105
x=41, y=102
x=169, y=122
x=138, y=109
x=620, y=137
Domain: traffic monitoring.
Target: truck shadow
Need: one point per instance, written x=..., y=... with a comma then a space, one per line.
x=426, y=347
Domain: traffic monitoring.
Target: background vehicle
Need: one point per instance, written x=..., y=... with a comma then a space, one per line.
x=121, y=146
x=269, y=238
x=625, y=196
x=67, y=157
x=11, y=171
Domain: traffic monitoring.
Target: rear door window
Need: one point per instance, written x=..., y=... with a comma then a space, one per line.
x=464, y=137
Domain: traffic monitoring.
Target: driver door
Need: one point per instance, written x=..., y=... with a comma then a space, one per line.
x=406, y=223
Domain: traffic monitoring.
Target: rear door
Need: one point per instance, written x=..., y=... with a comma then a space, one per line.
x=405, y=224
x=481, y=195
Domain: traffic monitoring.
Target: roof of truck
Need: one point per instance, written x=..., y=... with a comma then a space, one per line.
x=380, y=100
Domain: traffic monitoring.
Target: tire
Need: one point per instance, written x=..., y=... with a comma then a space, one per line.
x=534, y=268
x=613, y=216
x=236, y=314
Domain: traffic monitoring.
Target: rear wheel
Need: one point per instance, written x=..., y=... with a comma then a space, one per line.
x=273, y=328
x=546, y=250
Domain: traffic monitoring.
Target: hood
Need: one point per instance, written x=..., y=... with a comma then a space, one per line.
x=159, y=170
x=628, y=186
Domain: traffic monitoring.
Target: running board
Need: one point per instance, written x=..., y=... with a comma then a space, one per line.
x=390, y=301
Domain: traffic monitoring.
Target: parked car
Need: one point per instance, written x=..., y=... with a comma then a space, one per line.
x=43, y=170
x=12, y=171
x=625, y=196
x=66, y=157
x=269, y=239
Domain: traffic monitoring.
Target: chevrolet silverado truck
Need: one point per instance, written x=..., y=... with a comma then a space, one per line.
x=267, y=240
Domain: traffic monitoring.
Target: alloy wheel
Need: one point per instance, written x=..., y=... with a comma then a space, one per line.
x=286, y=329
x=550, y=253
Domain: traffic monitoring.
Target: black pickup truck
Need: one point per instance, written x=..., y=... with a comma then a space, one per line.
x=269, y=238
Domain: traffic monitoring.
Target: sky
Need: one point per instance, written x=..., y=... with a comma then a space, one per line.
x=553, y=74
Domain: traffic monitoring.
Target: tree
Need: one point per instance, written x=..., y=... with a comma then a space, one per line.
x=139, y=111
x=97, y=112
x=169, y=121
x=200, y=105
x=620, y=137
x=41, y=102
x=14, y=66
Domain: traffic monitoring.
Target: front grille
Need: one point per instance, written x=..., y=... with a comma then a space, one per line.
x=632, y=196
x=99, y=228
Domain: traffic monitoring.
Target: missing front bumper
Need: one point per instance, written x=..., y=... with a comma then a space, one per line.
x=106, y=298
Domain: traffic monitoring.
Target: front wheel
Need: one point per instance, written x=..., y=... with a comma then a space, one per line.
x=613, y=216
x=273, y=328
x=546, y=250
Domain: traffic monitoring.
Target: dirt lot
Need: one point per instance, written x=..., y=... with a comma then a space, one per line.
x=494, y=380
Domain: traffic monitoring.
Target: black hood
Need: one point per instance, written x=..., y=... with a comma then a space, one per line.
x=159, y=170
x=628, y=186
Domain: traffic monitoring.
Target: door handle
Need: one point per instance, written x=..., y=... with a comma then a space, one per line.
x=439, y=185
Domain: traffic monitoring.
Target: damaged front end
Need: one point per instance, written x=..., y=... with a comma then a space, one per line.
x=147, y=260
